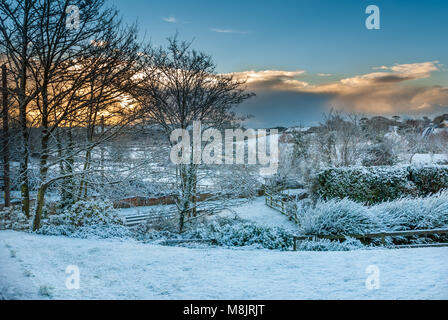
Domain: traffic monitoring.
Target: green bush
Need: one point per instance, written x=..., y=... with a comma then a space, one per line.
x=371, y=185
x=429, y=179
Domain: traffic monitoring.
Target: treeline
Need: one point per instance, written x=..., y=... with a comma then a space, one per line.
x=78, y=74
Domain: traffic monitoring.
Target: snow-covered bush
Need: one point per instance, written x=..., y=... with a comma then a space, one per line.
x=12, y=218
x=338, y=217
x=429, y=179
x=411, y=214
x=88, y=231
x=249, y=234
x=89, y=213
x=327, y=245
x=86, y=219
x=227, y=232
x=380, y=153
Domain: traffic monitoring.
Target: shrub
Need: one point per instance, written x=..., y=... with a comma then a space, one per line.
x=345, y=217
x=379, y=154
x=338, y=217
x=12, y=218
x=429, y=179
x=90, y=213
x=411, y=214
x=241, y=233
x=88, y=231
x=379, y=184
x=327, y=245
x=86, y=219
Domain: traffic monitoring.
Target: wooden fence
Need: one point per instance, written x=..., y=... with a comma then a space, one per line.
x=136, y=219
x=275, y=203
x=279, y=205
x=381, y=235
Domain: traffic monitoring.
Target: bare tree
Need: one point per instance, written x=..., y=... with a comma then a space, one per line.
x=81, y=74
x=5, y=137
x=18, y=25
x=185, y=87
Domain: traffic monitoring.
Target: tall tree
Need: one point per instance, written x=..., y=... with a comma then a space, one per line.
x=81, y=73
x=18, y=26
x=185, y=87
x=5, y=145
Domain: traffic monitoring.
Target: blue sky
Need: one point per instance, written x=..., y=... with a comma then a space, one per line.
x=326, y=41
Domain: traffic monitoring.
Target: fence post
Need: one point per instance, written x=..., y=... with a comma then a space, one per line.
x=383, y=239
x=294, y=243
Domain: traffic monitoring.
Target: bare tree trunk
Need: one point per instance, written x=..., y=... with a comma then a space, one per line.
x=45, y=137
x=25, y=190
x=23, y=102
x=43, y=176
x=102, y=153
x=5, y=139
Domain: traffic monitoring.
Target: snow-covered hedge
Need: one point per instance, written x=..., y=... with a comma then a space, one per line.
x=429, y=179
x=372, y=185
x=338, y=217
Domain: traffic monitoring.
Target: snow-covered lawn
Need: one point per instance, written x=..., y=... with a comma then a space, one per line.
x=30, y=264
x=257, y=211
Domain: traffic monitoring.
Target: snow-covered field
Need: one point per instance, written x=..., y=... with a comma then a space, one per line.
x=33, y=266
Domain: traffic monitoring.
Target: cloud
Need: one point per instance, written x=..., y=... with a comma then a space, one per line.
x=324, y=74
x=388, y=91
x=396, y=73
x=228, y=31
x=273, y=79
x=170, y=19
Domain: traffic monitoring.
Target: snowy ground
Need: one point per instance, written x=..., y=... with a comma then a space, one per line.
x=259, y=213
x=30, y=264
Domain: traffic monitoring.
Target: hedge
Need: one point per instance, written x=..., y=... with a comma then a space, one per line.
x=371, y=185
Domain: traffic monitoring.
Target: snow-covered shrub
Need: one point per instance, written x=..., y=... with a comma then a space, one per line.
x=368, y=185
x=380, y=153
x=429, y=179
x=240, y=233
x=87, y=231
x=327, y=245
x=338, y=217
x=90, y=213
x=86, y=219
x=412, y=214
x=12, y=218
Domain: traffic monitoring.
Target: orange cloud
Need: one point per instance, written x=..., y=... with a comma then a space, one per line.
x=387, y=91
